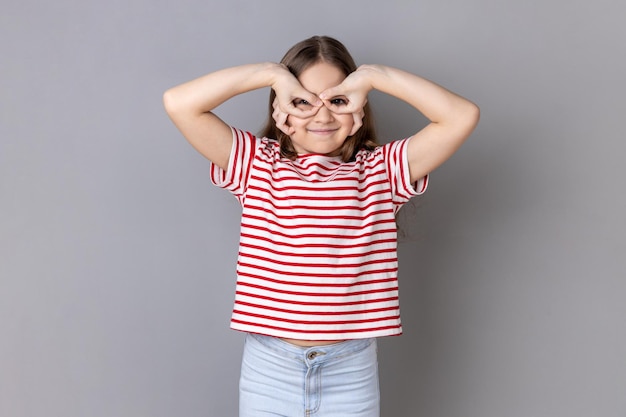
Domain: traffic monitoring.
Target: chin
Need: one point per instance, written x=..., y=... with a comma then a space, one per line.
x=323, y=150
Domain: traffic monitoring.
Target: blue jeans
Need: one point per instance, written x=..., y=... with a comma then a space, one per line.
x=281, y=379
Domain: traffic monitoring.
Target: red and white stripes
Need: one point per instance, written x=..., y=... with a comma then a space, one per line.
x=317, y=257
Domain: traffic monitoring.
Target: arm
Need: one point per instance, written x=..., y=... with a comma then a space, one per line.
x=190, y=105
x=452, y=118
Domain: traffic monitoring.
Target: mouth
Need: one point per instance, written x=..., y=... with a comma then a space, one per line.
x=323, y=132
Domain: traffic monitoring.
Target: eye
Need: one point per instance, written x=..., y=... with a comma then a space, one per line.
x=300, y=102
x=338, y=101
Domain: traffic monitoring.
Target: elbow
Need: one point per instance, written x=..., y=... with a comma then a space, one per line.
x=176, y=107
x=169, y=102
x=466, y=120
x=471, y=116
x=474, y=113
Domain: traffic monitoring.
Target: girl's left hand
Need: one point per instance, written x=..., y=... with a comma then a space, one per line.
x=358, y=121
x=351, y=95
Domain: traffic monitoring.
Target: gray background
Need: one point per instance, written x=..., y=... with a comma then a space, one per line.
x=117, y=255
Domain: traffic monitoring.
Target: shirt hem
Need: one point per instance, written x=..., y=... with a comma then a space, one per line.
x=318, y=337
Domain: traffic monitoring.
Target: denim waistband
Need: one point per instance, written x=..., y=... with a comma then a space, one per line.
x=319, y=354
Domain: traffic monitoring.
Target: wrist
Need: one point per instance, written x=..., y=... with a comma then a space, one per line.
x=373, y=73
x=276, y=73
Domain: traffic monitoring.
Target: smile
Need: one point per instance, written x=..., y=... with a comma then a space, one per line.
x=322, y=131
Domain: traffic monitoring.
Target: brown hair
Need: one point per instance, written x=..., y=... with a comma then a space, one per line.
x=302, y=56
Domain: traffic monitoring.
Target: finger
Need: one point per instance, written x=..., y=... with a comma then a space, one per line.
x=348, y=108
x=281, y=123
x=358, y=121
x=349, y=103
x=279, y=117
x=303, y=112
x=276, y=114
x=284, y=128
x=331, y=92
x=314, y=100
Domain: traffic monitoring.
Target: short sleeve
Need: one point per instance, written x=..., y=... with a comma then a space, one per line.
x=235, y=177
x=397, y=165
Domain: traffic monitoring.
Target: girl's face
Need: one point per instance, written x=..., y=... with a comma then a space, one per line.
x=324, y=132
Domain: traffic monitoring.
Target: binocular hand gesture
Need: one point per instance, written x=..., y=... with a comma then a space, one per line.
x=292, y=99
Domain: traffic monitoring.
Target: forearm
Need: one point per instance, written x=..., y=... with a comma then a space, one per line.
x=204, y=94
x=190, y=106
x=452, y=117
x=436, y=103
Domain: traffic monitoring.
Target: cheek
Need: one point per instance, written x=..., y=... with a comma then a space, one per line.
x=295, y=122
x=347, y=121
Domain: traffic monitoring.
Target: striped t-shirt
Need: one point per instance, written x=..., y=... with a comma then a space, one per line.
x=317, y=253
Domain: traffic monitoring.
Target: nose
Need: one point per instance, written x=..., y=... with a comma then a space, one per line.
x=324, y=115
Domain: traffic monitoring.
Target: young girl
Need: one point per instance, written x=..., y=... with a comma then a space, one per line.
x=317, y=265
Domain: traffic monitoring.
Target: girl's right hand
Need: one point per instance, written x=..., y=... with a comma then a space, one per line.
x=280, y=118
x=289, y=92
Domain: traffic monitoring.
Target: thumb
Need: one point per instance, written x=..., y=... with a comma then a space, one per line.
x=331, y=92
x=309, y=97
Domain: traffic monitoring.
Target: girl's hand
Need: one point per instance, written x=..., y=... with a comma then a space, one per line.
x=280, y=118
x=358, y=121
x=351, y=95
x=289, y=94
